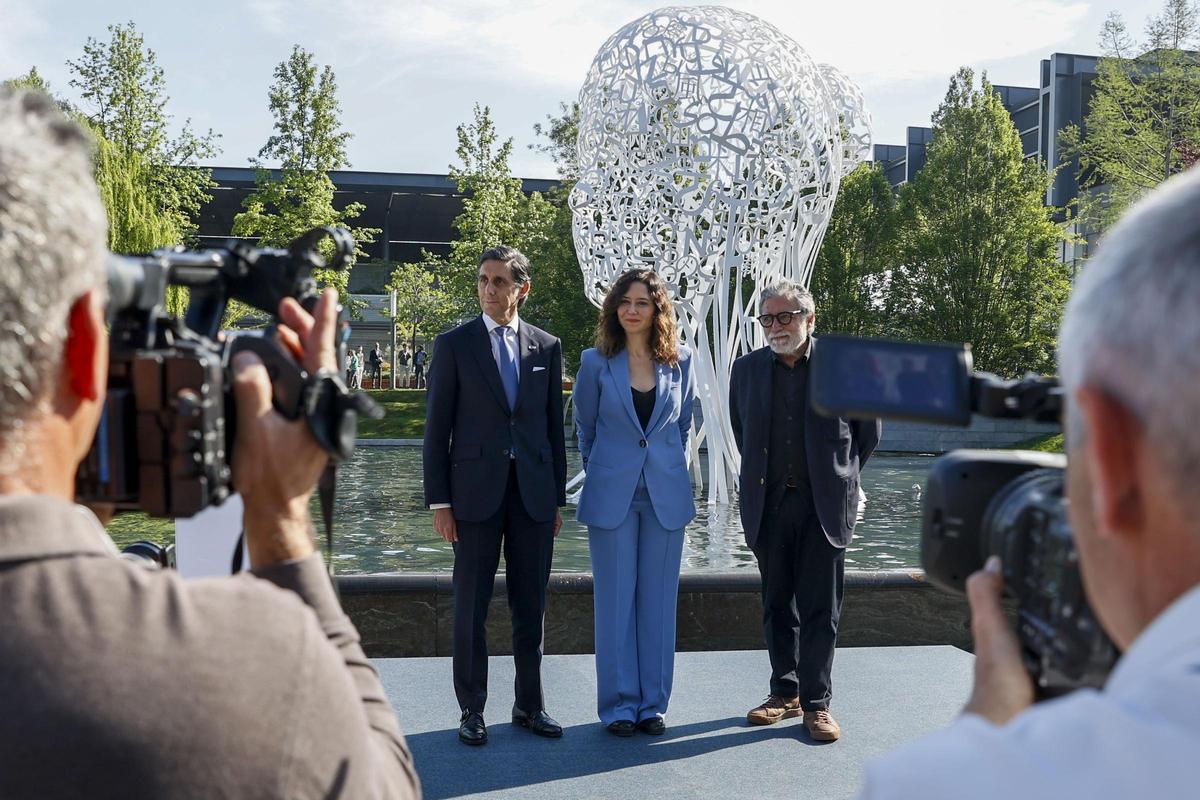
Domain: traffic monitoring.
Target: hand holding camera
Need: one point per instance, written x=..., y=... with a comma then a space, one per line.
x=1003, y=686
x=277, y=461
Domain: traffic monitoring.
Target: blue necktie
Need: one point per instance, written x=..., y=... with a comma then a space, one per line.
x=508, y=368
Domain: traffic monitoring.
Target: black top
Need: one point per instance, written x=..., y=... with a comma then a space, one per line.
x=643, y=404
x=787, y=463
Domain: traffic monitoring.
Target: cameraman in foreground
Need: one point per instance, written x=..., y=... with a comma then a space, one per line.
x=1129, y=362
x=119, y=681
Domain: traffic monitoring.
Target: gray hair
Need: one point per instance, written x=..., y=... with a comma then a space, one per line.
x=1132, y=324
x=516, y=261
x=791, y=290
x=52, y=248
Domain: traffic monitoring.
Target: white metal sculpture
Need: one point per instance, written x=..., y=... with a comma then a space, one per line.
x=711, y=148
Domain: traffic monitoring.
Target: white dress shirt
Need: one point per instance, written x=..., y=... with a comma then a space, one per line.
x=1138, y=737
x=511, y=339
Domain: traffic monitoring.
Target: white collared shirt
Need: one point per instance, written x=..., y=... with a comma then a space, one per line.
x=1138, y=737
x=511, y=339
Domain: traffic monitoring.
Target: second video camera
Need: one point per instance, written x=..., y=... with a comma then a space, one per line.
x=979, y=503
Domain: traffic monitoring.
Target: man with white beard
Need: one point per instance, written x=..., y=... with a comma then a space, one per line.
x=799, y=501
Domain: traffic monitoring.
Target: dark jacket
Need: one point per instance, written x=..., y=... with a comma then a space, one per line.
x=470, y=432
x=836, y=450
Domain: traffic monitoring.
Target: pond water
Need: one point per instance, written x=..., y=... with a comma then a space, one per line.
x=381, y=524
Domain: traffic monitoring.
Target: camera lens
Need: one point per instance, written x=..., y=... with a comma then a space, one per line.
x=150, y=554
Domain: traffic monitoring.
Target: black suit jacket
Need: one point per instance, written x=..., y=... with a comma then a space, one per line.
x=470, y=432
x=836, y=450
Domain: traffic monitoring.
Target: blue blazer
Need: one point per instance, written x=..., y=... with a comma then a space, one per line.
x=615, y=449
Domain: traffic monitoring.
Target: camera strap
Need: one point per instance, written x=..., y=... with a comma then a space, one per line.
x=326, y=489
x=332, y=411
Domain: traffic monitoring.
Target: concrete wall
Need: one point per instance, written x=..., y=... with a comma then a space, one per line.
x=412, y=615
x=917, y=437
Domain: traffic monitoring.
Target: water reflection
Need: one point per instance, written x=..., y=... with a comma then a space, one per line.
x=383, y=526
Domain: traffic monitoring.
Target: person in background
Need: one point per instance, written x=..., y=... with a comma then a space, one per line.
x=360, y=367
x=633, y=406
x=419, y=359
x=375, y=366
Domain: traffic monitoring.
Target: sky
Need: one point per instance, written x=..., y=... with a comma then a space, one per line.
x=410, y=71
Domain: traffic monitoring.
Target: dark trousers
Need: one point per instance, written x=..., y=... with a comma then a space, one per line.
x=528, y=548
x=802, y=598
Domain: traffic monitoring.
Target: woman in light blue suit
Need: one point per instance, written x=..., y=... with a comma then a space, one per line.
x=633, y=406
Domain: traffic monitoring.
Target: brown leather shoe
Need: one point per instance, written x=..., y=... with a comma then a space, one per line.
x=773, y=709
x=822, y=727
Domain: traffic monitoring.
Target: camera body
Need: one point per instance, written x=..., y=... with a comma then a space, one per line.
x=979, y=503
x=163, y=444
x=166, y=435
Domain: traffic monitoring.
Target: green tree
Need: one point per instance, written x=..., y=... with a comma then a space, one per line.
x=851, y=278
x=155, y=176
x=423, y=308
x=561, y=136
x=560, y=305
x=492, y=205
x=1143, y=124
x=308, y=142
x=32, y=80
x=136, y=224
x=495, y=211
x=977, y=245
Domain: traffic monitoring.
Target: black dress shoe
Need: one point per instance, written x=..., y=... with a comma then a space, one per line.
x=539, y=722
x=471, y=729
x=622, y=727
x=655, y=726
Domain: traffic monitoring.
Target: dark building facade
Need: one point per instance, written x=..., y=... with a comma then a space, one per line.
x=413, y=212
x=1039, y=113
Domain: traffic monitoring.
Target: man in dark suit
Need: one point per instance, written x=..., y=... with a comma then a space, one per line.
x=495, y=476
x=799, y=502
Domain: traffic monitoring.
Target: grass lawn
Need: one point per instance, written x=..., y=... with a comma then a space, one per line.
x=405, y=415
x=125, y=529
x=1047, y=443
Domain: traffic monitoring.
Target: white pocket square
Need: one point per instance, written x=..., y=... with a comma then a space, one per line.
x=539, y=369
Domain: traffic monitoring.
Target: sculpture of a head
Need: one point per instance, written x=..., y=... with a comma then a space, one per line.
x=710, y=145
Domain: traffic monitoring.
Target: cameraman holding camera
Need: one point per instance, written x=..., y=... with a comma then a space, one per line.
x=1129, y=357
x=117, y=680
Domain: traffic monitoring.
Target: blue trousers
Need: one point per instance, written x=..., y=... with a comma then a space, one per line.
x=635, y=569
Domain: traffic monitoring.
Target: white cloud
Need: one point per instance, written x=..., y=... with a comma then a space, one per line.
x=271, y=15
x=20, y=21
x=887, y=42
x=552, y=42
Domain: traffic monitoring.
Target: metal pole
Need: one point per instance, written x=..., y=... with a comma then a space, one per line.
x=387, y=229
x=393, y=315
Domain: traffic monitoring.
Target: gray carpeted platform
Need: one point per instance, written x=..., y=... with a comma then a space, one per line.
x=883, y=697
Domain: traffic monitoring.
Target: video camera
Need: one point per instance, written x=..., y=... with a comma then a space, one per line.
x=979, y=503
x=166, y=435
